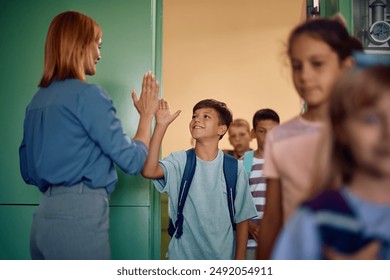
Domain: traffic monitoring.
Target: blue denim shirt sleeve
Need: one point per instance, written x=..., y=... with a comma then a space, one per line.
x=98, y=116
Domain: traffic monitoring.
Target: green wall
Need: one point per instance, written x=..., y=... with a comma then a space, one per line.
x=131, y=46
x=329, y=8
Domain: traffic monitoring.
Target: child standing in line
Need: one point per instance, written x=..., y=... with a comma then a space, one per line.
x=319, y=51
x=351, y=217
x=263, y=121
x=207, y=229
x=239, y=138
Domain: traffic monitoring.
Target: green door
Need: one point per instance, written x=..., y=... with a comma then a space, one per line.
x=329, y=8
x=131, y=46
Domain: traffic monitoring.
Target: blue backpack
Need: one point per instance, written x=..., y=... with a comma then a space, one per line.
x=230, y=168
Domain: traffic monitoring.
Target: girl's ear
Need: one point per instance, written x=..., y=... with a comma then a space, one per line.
x=222, y=129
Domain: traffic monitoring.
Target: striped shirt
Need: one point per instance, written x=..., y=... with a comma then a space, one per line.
x=257, y=187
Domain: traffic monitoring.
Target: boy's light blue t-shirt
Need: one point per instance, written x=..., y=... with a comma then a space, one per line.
x=207, y=230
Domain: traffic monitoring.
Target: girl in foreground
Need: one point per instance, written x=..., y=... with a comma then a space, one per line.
x=351, y=218
x=320, y=50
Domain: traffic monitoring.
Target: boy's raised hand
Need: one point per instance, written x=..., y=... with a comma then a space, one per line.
x=152, y=169
x=163, y=114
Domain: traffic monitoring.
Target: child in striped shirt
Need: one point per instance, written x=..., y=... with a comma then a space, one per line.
x=263, y=121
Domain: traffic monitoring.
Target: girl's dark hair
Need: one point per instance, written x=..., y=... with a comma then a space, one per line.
x=265, y=114
x=330, y=31
x=224, y=113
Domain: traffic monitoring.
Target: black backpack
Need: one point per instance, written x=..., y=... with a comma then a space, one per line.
x=230, y=168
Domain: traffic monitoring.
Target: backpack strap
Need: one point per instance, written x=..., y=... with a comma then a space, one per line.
x=186, y=180
x=230, y=168
x=248, y=160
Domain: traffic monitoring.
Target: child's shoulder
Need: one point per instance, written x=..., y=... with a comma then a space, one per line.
x=181, y=156
x=296, y=126
x=330, y=199
x=296, y=123
x=177, y=156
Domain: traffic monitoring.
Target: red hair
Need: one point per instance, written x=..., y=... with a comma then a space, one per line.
x=68, y=42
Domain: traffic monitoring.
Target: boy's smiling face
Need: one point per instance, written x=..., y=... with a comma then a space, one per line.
x=205, y=124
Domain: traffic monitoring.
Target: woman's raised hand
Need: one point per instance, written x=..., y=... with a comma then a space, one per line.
x=147, y=104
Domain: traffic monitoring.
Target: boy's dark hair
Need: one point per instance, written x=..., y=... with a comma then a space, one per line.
x=265, y=114
x=224, y=114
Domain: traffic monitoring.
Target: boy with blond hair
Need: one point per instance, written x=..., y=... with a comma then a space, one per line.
x=239, y=137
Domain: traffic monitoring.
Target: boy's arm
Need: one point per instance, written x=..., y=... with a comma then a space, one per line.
x=271, y=223
x=241, y=239
x=164, y=118
x=254, y=230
